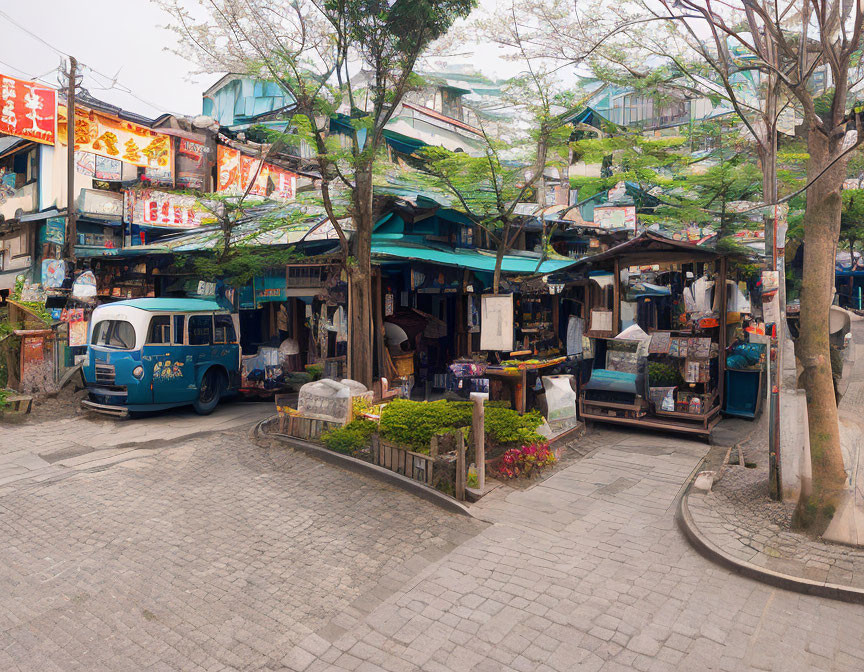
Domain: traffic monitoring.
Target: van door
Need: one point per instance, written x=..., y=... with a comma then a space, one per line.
x=173, y=372
x=201, y=344
x=226, y=348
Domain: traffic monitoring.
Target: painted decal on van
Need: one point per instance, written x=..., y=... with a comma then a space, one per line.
x=168, y=370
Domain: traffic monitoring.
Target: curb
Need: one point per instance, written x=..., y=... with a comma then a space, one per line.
x=797, y=584
x=359, y=466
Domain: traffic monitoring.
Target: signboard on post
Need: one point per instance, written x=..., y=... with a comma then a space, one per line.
x=28, y=110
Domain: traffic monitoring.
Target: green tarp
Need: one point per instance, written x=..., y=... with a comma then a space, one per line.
x=471, y=259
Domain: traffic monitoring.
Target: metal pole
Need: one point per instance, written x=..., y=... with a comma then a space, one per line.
x=71, y=225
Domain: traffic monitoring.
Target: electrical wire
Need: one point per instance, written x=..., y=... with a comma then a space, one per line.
x=115, y=84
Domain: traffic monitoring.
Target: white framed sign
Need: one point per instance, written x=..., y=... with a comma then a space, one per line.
x=496, y=322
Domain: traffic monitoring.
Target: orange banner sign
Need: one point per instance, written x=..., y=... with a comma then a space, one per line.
x=28, y=110
x=236, y=170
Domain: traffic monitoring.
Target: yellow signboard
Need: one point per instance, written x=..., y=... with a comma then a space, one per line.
x=118, y=139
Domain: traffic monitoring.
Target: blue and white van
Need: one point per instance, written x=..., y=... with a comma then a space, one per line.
x=151, y=354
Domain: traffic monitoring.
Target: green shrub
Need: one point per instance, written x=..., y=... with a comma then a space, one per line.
x=352, y=437
x=504, y=425
x=414, y=423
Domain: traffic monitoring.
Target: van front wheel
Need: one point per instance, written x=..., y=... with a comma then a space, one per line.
x=209, y=393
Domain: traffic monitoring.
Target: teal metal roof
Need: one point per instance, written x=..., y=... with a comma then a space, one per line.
x=471, y=259
x=171, y=305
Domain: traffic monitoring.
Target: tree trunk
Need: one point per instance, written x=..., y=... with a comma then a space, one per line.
x=499, y=258
x=821, y=231
x=360, y=280
x=503, y=241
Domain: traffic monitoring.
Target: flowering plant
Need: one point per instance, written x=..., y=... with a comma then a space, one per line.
x=525, y=461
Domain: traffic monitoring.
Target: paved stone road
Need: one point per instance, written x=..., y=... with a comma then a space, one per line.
x=55, y=449
x=218, y=554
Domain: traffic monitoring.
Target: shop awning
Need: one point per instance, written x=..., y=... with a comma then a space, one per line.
x=465, y=258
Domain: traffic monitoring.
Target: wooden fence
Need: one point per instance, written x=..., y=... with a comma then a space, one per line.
x=416, y=466
x=422, y=468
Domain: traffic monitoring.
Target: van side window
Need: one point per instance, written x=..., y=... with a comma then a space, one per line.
x=200, y=330
x=224, y=329
x=179, y=324
x=160, y=330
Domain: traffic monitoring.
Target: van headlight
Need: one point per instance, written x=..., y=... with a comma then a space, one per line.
x=138, y=372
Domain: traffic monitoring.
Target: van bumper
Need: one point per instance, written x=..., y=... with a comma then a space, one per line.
x=107, y=409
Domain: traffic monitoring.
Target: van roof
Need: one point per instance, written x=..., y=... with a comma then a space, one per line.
x=171, y=305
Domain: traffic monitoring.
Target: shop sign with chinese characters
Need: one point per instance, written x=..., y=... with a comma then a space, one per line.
x=28, y=110
x=236, y=170
x=148, y=207
x=118, y=139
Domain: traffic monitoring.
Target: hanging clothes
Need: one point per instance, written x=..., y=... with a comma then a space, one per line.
x=575, y=327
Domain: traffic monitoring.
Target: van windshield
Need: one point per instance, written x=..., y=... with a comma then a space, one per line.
x=118, y=334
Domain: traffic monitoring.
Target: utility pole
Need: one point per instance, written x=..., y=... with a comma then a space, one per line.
x=71, y=225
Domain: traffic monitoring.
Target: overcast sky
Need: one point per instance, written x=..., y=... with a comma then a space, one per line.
x=124, y=38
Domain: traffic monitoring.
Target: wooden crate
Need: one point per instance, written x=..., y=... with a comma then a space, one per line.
x=18, y=404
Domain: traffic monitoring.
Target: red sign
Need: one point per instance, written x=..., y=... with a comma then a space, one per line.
x=237, y=170
x=28, y=110
x=147, y=207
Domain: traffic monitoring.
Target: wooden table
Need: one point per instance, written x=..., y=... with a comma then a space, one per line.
x=518, y=381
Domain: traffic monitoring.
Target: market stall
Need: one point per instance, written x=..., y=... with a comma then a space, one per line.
x=656, y=316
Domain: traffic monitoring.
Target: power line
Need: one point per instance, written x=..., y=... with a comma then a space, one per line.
x=115, y=84
x=31, y=34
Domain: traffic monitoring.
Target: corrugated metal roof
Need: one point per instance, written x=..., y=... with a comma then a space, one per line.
x=8, y=142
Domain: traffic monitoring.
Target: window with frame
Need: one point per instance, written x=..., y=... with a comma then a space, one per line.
x=179, y=328
x=200, y=330
x=159, y=332
x=223, y=331
x=118, y=334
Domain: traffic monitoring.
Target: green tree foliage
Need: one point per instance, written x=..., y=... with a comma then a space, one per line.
x=852, y=219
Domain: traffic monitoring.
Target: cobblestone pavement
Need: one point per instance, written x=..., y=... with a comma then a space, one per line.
x=213, y=554
x=36, y=452
x=739, y=517
x=219, y=554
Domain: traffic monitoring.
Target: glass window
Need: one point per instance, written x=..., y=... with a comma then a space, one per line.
x=224, y=330
x=179, y=325
x=113, y=334
x=200, y=330
x=160, y=330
